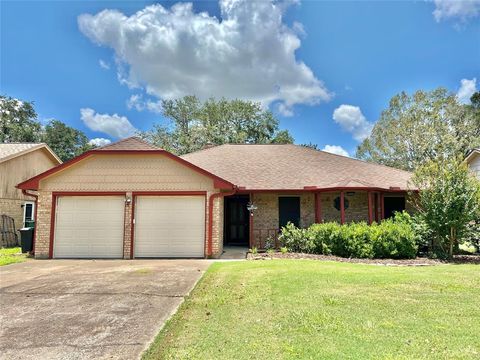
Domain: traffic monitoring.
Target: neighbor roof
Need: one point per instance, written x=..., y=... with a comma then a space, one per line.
x=471, y=154
x=294, y=167
x=12, y=150
x=131, y=143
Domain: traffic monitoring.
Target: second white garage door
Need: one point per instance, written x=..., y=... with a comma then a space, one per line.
x=89, y=227
x=169, y=226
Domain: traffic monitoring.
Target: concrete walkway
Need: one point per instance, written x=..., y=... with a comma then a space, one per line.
x=89, y=309
x=234, y=253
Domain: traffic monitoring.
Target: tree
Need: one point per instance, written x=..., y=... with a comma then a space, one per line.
x=448, y=202
x=64, y=140
x=419, y=128
x=194, y=124
x=18, y=121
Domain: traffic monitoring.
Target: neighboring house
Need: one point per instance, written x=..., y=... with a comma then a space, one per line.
x=132, y=200
x=473, y=161
x=19, y=162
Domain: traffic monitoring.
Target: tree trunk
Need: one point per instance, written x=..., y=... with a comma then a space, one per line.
x=452, y=241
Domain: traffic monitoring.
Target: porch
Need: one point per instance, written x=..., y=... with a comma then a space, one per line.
x=273, y=210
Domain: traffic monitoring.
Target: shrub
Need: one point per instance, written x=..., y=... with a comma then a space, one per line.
x=297, y=239
x=283, y=250
x=393, y=238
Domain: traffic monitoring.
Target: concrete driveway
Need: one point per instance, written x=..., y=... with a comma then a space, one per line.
x=89, y=309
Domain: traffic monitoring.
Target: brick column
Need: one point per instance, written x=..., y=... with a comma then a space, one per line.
x=127, y=234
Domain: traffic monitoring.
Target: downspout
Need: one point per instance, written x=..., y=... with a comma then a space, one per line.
x=210, y=217
x=26, y=193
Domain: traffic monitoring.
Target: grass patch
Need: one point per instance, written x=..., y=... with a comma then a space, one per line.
x=303, y=309
x=11, y=256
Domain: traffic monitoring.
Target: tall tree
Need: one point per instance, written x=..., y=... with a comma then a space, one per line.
x=448, y=203
x=422, y=127
x=194, y=124
x=18, y=121
x=64, y=140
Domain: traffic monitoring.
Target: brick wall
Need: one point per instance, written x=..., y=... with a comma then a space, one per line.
x=357, y=209
x=42, y=227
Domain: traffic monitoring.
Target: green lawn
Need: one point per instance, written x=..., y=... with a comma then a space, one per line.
x=11, y=256
x=307, y=309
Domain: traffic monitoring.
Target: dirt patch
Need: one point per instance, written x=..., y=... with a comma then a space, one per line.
x=458, y=259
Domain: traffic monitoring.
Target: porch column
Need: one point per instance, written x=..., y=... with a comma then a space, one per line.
x=370, y=212
x=382, y=207
x=318, y=208
x=250, y=225
x=342, y=207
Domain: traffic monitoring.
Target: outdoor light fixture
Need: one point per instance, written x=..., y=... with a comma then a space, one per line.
x=251, y=207
x=128, y=200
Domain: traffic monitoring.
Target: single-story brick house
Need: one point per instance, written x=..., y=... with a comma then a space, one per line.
x=132, y=200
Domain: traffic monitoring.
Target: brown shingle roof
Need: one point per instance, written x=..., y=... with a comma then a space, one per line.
x=131, y=143
x=292, y=167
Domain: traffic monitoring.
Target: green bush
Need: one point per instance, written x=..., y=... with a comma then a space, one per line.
x=393, y=238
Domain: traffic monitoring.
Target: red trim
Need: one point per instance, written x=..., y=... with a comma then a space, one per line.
x=370, y=213
x=168, y=193
x=382, y=204
x=243, y=190
x=33, y=183
x=342, y=207
x=24, y=192
x=52, y=225
x=210, y=218
x=56, y=194
x=88, y=193
x=251, y=240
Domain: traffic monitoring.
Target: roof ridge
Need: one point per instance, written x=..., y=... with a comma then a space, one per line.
x=134, y=137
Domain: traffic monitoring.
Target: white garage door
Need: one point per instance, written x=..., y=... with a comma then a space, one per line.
x=89, y=227
x=169, y=226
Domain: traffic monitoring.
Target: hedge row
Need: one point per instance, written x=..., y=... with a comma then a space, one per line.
x=392, y=238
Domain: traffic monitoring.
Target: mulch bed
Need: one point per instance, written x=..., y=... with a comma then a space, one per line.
x=458, y=259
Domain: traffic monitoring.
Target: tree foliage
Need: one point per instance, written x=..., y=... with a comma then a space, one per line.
x=194, y=124
x=18, y=121
x=448, y=202
x=422, y=127
x=64, y=140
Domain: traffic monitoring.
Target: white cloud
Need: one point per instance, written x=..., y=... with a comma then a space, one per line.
x=249, y=53
x=98, y=142
x=138, y=103
x=351, y=119
x=113, y=125
x=336, y=149
x=461, y=10
x=104, y=64
x=467, y=89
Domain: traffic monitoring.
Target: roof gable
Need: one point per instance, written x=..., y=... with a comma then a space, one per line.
x=12, y=150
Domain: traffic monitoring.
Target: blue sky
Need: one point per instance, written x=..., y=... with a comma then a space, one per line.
x=326, y=69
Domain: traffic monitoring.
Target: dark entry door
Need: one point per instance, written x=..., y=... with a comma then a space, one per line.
x=289, y=210
x=393, y=204
x=236, y=220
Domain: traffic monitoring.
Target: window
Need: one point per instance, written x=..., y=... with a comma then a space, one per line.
x=289, y=210
x=336, y=203
x=28, y=213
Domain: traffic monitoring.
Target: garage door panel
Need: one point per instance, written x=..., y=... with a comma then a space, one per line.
x=169, y=226
x=89, y=227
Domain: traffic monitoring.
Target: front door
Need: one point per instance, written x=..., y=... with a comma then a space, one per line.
x=236, y=220
x=392, y=205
